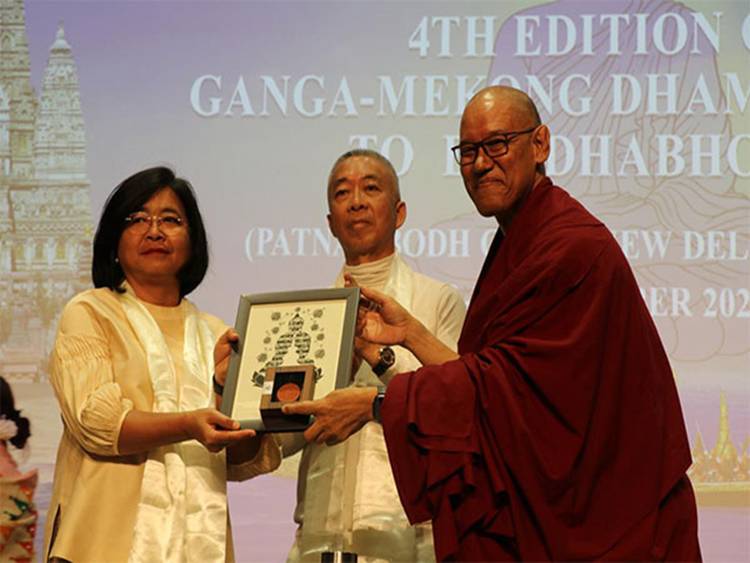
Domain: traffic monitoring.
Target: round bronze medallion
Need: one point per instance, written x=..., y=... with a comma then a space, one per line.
x=288, y=392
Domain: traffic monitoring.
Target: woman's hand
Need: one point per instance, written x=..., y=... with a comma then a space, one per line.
x=222, y=352
x=214, y=429
x=142, y=431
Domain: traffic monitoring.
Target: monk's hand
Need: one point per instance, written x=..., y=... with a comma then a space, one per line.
x=214, y=429
x=386, y=322
x=222, y=352
x=338, y=415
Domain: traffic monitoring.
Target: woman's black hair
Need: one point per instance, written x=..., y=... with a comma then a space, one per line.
x=129, y=197
x=8, y=411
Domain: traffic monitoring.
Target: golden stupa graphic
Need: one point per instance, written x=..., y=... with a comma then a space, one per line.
x=721, y=476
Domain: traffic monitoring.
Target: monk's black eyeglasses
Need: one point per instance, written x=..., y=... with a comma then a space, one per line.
x=495, y=146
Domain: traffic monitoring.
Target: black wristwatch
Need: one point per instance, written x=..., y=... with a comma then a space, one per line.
x=387, y=357
x=377, y=402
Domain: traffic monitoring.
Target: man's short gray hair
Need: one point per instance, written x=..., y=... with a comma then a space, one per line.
x=370, y=154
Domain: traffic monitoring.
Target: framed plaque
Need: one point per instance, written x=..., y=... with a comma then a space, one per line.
x=289, y=339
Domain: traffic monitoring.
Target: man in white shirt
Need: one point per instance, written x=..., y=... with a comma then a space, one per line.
x=346, y=496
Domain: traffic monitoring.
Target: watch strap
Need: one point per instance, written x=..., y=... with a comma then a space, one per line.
x=377, y=403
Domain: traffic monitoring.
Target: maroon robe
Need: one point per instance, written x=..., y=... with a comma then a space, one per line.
x=558, y=433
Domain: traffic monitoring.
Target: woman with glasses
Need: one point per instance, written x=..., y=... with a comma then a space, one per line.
x=141, y=468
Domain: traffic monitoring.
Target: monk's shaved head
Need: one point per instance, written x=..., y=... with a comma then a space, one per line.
x=502, y=151
x=504, y=96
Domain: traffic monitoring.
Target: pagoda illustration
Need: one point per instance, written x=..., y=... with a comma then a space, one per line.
x=45, y=211
x=721, y=476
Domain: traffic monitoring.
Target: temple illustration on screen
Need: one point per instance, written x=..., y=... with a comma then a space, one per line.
x=45, y=211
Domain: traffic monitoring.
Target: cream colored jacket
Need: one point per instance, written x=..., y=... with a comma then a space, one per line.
x=99, y=372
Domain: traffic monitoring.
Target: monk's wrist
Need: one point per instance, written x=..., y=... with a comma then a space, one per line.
x=416, y=336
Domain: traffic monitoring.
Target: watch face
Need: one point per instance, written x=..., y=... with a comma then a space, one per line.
x=387, y=356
